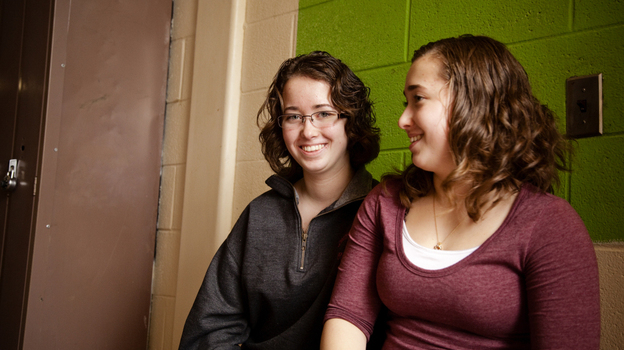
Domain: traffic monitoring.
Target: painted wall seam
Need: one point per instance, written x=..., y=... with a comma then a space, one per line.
x=230, y=126
x=293, y=50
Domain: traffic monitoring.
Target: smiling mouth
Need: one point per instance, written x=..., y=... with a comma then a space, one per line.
x=415, y=138
x=313, y=148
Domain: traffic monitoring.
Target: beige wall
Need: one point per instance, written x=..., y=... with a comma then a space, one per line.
x=216, y=85
x=169, y=226
x=270, y=38
x=611, y=266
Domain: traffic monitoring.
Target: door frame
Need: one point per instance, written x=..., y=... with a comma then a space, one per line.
x=30, y=28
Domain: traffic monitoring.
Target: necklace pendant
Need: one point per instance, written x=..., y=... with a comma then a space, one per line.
x=437, y=246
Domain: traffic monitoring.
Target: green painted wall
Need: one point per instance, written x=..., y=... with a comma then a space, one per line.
x=554, y=40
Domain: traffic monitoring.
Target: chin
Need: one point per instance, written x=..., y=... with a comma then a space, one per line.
x=422, y=165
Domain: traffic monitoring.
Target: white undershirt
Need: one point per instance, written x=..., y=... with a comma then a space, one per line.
x=429, y=258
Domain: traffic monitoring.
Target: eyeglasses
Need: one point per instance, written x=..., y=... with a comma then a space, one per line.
x=321, y=119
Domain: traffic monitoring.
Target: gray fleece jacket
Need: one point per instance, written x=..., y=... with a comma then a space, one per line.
x=268, y=285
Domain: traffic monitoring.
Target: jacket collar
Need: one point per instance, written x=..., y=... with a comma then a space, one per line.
x=358, y=188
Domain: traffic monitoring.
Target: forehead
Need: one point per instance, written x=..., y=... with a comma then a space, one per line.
x=425, y=72
x=302, y=83
x=301, y=90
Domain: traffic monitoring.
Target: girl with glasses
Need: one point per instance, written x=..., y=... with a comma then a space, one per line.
x=269, y=283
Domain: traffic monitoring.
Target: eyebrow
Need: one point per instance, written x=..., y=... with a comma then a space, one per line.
x=411, y=88
x=295, y=108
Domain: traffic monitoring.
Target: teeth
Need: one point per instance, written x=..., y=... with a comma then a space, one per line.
x=415, y=138
x=313, y=148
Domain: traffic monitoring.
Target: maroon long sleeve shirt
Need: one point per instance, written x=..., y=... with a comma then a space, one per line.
x=532, y=285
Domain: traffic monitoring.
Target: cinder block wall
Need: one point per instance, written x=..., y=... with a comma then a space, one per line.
x=173, y=174
x=270, y=28
x=553, y=40
x=270, y=38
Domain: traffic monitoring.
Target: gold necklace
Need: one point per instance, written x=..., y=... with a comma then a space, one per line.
x=438, y=246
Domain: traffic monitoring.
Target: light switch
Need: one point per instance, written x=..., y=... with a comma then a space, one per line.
x=584, y=106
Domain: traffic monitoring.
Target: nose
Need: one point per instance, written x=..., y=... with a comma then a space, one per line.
x=405, y=120
x=308, y=130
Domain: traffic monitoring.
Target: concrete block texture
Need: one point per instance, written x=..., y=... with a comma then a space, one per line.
x=166, y=263
x=387, y=84
x=184, y=19
x=308, y=3
x=507, y=21
x=165, y=273
x=385, y=163
x=171, y=197
x=593, y=14
x=362, y=36
x=261, y=10
x=596, y=186
x=249, y=184
x=270, y=38
x=180, y=69
x=266, y=45
x=550, y=61
x=610, y=265
x=247, y=143
x=161, y=324
x=176, y=132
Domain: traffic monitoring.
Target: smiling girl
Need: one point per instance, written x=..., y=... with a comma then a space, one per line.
x=467, y=248
x=269, y=283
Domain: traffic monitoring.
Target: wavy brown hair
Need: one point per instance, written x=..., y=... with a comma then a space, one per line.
x=348, y=95
x=500, y=135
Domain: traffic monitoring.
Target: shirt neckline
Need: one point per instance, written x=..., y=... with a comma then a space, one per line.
x=400, y=252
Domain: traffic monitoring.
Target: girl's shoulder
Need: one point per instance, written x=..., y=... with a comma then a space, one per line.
x=388, y=188
x=385, y=196
x=531, y=197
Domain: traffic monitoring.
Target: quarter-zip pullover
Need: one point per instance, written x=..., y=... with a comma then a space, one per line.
x=269, y=283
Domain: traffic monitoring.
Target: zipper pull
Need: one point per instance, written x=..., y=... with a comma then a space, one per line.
x=304, y=238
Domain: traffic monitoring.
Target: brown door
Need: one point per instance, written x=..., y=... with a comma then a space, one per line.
x=24, y=51
x=78, y=231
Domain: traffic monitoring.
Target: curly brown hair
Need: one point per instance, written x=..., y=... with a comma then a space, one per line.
x=348, y=95
x=500, y=135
